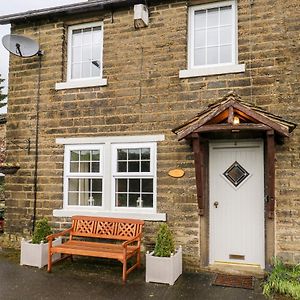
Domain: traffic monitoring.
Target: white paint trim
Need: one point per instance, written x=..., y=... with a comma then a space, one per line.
x=99, y=213
x=233, y=67
x=111, y=139
x=212, y=70
x=81, y=83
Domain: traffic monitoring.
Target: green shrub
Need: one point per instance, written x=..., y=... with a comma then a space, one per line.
x=41, y=231
x=164, y=245
x=283, y=280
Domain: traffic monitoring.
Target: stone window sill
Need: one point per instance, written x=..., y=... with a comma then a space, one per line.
x=81, y=83
x=217, y=70
x=114, y=214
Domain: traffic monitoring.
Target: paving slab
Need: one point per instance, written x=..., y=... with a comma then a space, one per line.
x=87, y=278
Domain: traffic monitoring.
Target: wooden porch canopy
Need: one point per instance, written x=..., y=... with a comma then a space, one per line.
x=233, y=116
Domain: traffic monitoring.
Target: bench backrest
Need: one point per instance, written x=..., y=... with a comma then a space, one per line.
x=108, y=228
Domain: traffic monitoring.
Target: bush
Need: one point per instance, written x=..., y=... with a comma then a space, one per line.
x=41, y=231
x=164, y=245
x=283, y=280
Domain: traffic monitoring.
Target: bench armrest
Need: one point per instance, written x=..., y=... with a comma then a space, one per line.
x=134, y=239
x=51, y=237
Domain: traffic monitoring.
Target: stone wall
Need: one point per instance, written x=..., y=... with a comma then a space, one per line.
x=144, y=95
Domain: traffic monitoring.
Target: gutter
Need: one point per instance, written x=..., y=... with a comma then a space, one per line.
x=88, y=6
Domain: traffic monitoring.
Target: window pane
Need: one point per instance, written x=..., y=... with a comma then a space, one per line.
x=97, y=34
x=73, y=198
x=84, y=199
x=133, y=166
x=121, y=185
x=212, y=55
x=145, y=153
x=212, y=17
x=133, y=154
x=225, y=54
x=85, y=155
x=122, y=154
x=73, y=184
x=74, y=155
x=199, y=57
x=134, y=185
x=225, y=15
x=96, y=155
x=87, y=36
x=145, y=166
x=97, y=199
x=225, y=35
x=75, y=71
x=85, y=184
x=97, y=185
x=134, y=200
x=76, y=54
x=96, y=68
x=147, y=200
x=76, y=37
x=121, y=200
x=147, y=185
x=86, y=53
x=74, y=167
x=84, y=167
x=200, y=38
x=95, y=167
x=200, y=19
x=122, y=166
x=212, y=37
x=85, y=69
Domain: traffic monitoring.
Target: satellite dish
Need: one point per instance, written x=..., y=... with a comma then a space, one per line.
x=20, y=45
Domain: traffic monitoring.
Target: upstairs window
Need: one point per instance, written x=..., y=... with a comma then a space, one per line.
x=212, y=34
x=85, y=51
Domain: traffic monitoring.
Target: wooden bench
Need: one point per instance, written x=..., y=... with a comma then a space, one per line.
x=114, y=238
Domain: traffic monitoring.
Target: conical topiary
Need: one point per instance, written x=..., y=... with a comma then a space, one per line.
x=164, y=245
x=41, y=231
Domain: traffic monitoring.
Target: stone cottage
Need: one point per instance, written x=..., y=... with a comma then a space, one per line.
x=171, y=111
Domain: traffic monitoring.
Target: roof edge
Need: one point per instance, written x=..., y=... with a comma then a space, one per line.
x=66, y=9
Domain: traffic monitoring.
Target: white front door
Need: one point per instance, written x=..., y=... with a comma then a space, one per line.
x=236, y=202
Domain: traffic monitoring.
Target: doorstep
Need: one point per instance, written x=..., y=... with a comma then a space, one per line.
x=237, y=269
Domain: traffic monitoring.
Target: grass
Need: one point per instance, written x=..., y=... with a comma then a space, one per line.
x=284, y=280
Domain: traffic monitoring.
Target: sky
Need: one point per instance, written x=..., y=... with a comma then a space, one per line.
x=15, y=6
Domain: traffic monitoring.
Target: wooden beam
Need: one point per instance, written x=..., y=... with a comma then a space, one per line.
x=271, y=173
x=227, y=127
x=261, y=119
x=198, y=173
x=230, y=115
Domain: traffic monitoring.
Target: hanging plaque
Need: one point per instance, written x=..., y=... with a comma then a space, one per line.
x=176, y=173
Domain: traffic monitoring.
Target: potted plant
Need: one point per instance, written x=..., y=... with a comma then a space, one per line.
x=164, y=264
x=35, y=251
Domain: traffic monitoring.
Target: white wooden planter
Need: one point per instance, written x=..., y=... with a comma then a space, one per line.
x=164, y=269
x=36, y=255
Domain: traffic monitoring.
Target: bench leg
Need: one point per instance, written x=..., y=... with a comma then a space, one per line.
x=124, y=270
x=138, y=258
x=49, y=262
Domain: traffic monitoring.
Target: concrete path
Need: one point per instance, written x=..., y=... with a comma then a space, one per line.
x=86, y=279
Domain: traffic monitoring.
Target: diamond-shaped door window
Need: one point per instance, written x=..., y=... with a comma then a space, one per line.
x=236, y=174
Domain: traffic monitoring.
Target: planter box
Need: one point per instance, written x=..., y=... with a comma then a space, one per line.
x=36, y=255
x=164, y=269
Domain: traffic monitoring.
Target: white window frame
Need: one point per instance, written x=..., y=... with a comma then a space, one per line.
x=151, y=174
x=81, y=82
x=68, y=174
x=107, y=169
x=212, y=69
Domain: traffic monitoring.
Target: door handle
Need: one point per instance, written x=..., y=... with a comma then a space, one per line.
x=216, y=203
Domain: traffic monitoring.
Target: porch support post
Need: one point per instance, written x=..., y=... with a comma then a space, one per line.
x=271, y=173
x=198, y=158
